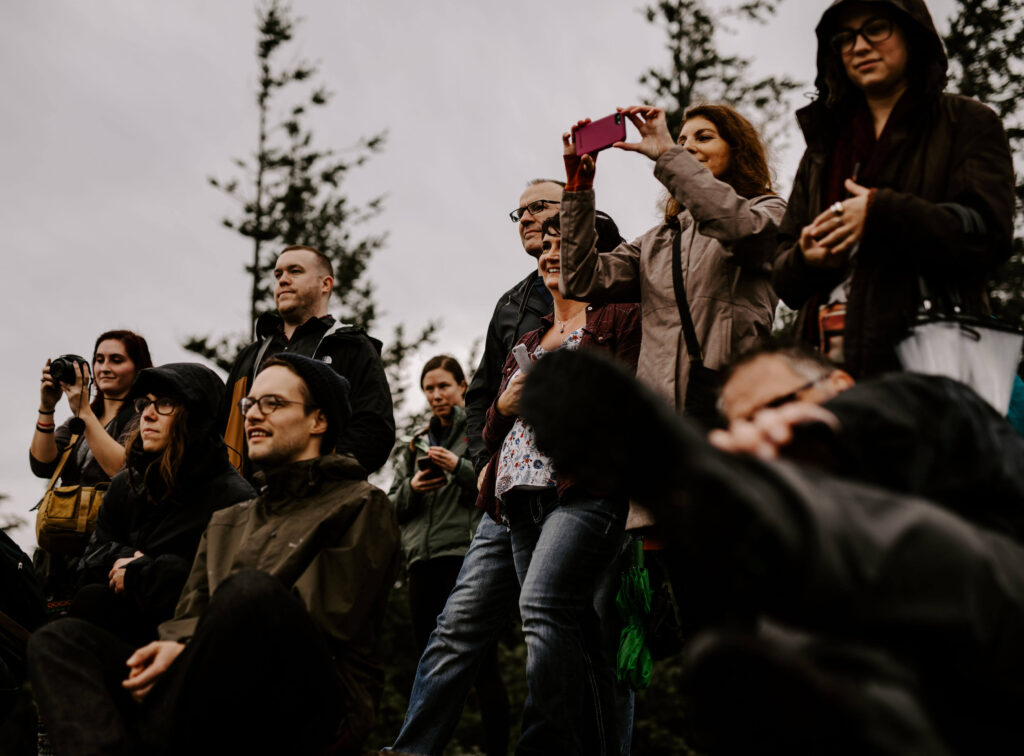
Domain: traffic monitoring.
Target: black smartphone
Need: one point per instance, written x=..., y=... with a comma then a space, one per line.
x=428, y=465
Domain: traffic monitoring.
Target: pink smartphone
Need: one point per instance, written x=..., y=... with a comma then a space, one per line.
x=601, y=134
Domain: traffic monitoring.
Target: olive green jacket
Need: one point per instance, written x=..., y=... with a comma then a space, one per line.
x=320, y=528
x=442, y=522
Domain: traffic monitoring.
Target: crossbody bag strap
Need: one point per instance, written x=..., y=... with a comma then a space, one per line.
x=689, y=332
x=259, y=357
x=63, y=461
x=337, y=326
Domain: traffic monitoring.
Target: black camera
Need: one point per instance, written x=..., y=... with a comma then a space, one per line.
x=62, y=368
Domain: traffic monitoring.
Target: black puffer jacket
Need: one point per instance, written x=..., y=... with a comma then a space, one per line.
x=943, y=208
x=139, y=515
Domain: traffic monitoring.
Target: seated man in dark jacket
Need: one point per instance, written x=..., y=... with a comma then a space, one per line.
x=918, y=434
x=272, y=646
x=302, y=292
x=826, y=615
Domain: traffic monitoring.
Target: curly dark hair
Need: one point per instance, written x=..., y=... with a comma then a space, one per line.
x=748, y=172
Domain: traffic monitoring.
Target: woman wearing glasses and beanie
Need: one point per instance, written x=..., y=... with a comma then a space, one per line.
x=900, y=184
x=148, y=528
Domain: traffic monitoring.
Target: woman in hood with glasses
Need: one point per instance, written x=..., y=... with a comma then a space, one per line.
x=901, y=185
x=148, y=529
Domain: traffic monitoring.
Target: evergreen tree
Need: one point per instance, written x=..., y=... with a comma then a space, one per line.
x=289, y=192
x=985, y=45
x=700, y=72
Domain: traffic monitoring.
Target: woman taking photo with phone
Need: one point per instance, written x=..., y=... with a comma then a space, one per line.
x=434, y=493
x=563, y=538
x=709, y=261
x=156, y=509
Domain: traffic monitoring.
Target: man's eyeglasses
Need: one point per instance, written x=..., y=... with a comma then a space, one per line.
x=267, y=404
x=533, y=208
x=163, y=405
x=875, y=30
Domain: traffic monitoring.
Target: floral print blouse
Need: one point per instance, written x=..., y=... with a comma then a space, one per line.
x=520, y=463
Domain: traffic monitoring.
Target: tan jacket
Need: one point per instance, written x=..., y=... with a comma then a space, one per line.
x=728, y=245
x=329, y=535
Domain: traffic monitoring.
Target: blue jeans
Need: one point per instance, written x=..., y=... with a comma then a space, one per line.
x=562, y=550
x=479, y=608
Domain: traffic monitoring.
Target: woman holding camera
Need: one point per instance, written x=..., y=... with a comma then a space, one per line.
x=716, y=246
x=101, y=427
x=117, y=358
x=434, y=492
x=148, y=529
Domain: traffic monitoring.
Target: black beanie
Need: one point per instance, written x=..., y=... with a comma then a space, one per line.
x=328, y=390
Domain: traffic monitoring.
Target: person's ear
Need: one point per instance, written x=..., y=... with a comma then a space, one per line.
x=319, y=423
x=327, y=285
x=465, y=387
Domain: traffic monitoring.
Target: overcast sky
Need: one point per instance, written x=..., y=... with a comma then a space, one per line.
x=116, y=113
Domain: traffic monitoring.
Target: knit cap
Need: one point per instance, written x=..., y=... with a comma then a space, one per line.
x=329, y=391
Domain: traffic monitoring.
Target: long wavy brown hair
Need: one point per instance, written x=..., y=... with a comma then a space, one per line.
x=161, y=474
x=748, y=172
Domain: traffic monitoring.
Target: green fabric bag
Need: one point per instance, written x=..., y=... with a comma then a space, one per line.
x=633, y=661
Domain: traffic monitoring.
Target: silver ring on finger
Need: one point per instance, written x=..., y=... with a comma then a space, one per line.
x=836, y=208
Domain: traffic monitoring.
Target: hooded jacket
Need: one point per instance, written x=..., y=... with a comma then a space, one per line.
x=442, y=522
x=139, y=515
x=370, y=433
x=942, y=210
x=331, y=538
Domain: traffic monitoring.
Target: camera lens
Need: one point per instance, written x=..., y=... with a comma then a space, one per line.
x=62, y=368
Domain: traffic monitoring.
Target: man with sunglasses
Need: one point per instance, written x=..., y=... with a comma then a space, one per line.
x=272, y=646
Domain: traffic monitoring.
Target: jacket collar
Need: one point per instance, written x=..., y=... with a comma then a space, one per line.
x=302, y=479
x=457, y=427
x=272, y=324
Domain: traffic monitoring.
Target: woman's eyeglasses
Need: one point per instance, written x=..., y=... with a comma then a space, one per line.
x=163, y=405
x=875, y=30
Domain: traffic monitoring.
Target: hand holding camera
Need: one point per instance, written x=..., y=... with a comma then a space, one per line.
x=49, y=390
x=68, y=374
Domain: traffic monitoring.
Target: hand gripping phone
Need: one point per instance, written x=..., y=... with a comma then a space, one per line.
x=522, y=358
x=601, y=134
